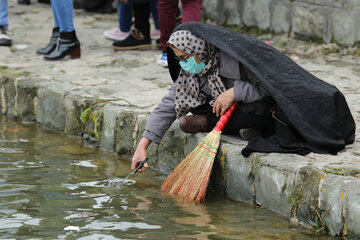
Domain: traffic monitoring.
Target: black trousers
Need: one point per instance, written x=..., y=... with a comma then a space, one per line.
x=141, y=15
x=255, y=115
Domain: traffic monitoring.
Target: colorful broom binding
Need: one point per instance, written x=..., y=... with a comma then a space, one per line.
x=190, y=178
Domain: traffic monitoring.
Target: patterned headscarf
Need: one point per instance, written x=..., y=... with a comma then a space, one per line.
x=188, y=94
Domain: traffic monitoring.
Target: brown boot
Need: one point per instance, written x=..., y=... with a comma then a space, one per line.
x=194, y=124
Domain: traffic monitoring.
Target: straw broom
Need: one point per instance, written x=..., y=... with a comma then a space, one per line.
x=190, y=178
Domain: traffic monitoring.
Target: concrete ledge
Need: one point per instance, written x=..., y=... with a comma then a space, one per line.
x=304, y=189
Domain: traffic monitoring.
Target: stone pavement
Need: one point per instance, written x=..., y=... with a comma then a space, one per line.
x=105, y=97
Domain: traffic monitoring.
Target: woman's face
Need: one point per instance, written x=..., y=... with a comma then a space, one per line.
x=183, y=55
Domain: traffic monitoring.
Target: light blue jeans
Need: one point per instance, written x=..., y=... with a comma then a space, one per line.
x=4, y=13
x=63, y=14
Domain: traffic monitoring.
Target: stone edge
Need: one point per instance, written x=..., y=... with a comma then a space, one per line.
x=287, y=184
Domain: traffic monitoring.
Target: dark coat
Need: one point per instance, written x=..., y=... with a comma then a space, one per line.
x=316, y=114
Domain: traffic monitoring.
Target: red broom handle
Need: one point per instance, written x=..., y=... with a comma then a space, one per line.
x=225, y=118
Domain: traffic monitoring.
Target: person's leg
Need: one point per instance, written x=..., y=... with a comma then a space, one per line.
x=4, y=14
x=141, y=15
x=5, y=40
x=154, y=13
x=67, y=43
x=125, y=20
x=167, y=20
x=167, y=10
x=155, y=32
x=255, y=115
x=191, y=10
x=125, y=17
x=56, y=17
x=63, y=14
x=139, y=37
x=54, y=36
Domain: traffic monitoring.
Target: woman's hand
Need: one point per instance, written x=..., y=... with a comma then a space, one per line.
x=223, y=102
x=140, y=154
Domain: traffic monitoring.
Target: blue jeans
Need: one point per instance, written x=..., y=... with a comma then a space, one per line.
x=4, y=13
x=63, y=14
x=125, y=16
x=154, y=13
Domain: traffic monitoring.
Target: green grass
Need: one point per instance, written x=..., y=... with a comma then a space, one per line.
x=4, y=72
x=255, y=31
x=341, y=171
x=328, y=51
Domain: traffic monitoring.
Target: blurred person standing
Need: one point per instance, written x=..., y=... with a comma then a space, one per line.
x=63, y=41
x=191, y=11
x=125, y=21
x=124, y=11
x=139, y=37
x=5, y=40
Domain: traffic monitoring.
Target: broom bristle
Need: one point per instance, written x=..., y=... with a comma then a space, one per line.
x=190, y=178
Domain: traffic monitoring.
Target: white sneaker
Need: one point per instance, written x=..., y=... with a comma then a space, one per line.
x=162, y=60
x=116, y=34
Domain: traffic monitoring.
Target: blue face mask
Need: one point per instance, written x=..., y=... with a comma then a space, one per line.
x=192, y=66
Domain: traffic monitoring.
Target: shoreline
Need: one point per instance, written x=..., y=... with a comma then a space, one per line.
x=105, y=97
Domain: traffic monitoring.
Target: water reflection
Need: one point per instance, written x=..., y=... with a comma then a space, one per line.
x=123, y=226
x=200, y=217
x=113, y=183
x=52, y=187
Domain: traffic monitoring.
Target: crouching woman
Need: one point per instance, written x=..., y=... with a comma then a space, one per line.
x=213, y=67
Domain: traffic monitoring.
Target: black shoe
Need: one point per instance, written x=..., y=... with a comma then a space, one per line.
x=5, y=40
x=67, y=44
x=52, y=44
x=135, y=41
x=26, y=2
x=249, y=133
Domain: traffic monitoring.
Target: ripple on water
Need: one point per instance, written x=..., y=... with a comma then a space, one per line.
x=116, y=182
x=59, y=190
x=97, y=236
x=13, y=189
x=10, y=150
x=84, y=164
x=13, y=140
x=18, y=220
x=101, y=200
x=80, y=213
x=69, y=149
x=124, y=226
x=6, y=166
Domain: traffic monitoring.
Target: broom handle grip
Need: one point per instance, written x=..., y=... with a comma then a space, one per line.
x=225, y=118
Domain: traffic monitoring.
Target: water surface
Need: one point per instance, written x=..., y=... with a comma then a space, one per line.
x=53, y=187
